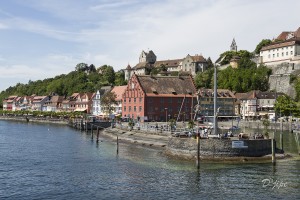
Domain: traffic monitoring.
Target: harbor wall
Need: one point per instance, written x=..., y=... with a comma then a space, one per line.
x=218, y=148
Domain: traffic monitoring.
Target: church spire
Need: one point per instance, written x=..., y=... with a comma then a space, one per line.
x=233, y=46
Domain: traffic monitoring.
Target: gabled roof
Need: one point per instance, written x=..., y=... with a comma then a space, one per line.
x=222, y=93
x=286, y=38
x=247, y=95
x=119, y=90
x=142, y=65
x=283, y=35
x=168, y=63
x=268, y=95
x=37, y=99
x=198, y=58
x=163, y=85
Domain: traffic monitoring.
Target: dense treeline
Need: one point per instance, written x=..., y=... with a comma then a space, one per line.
x=245, y=78
x=84, y=79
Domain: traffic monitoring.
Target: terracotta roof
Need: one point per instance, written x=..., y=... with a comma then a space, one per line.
x=142, y=65
x=247, y=95
x=198, y=58
x=119, y=90
x=168, y=63
x=167, y=84
x=281, y=44
x=222, y=93
x=283, y=35
x=38, y=98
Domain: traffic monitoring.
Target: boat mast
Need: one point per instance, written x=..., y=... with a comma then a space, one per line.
x=215, y=101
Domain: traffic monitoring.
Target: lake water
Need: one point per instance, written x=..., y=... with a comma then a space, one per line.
x=40, y=161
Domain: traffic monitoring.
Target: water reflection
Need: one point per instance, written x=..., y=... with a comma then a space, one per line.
x=67, y=164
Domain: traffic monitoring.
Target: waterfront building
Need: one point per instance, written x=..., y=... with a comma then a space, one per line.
x=83, y=102
x=284, y=49
x=225, y=102
x=97, y=109
x=9, y=103
x=159, y=98
x=118, y=90
x=38, y=103
x=257, y=104
x=54, y=104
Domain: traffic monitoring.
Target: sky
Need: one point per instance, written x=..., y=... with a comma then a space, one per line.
x=44, y=38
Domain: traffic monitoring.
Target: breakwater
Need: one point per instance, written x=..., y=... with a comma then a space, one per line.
x=218, y=148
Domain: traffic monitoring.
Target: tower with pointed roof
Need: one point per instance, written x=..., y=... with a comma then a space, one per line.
x=233, y=46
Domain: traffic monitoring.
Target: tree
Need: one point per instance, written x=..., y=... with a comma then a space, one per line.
x=120, y=78
x=204, y=79
x=108, y=74
x=81, y=67
x=285, y=106
x=163, y=68
x=210, y=64
x=260, y=45
x=107, y=102
x=92, y=68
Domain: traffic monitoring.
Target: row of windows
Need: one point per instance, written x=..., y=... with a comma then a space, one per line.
x=134, y=109
x=134, y=100
x=283, y=48
x=282, y=54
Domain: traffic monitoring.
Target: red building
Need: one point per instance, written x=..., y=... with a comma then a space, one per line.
x=159, y=98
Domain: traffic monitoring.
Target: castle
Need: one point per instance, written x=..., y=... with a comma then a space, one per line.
x=147, y=61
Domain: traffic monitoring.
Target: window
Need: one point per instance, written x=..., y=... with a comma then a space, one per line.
x=129, y=108
x=134, y=100
x=140, y=109
x=124, y=108
x=277, y=54
x=291, y=53
x=273, y=55
x=141, y=99
x=129, y=100
x=134, y=109
x=287, y=53
x=282, y=54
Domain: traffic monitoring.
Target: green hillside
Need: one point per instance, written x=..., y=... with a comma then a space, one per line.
x=84, y=79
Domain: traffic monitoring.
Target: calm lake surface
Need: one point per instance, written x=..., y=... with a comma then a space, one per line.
x=41, y=161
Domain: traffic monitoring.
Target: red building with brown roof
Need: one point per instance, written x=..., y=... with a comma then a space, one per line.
x=159, y=98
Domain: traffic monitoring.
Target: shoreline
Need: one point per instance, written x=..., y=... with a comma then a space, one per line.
x=35, y=120
x=160, y=142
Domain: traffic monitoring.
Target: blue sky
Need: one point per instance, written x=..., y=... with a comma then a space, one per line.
x=44, y=38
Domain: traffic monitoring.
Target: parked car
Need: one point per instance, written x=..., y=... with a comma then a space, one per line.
x=181, y=134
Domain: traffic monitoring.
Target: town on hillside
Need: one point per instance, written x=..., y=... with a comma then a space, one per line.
x=171, y=93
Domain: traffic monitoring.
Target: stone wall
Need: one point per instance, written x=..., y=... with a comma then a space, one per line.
x=280, y=78
x=217, y=148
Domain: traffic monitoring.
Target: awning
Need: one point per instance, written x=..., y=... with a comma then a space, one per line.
x=80, y=109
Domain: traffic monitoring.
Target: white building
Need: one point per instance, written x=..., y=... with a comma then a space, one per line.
x=285, y=49
x=97, y=104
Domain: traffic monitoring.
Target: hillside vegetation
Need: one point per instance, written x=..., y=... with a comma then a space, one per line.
x=84, y=79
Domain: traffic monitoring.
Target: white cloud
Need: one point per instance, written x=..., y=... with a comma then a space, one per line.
x=115, y=32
